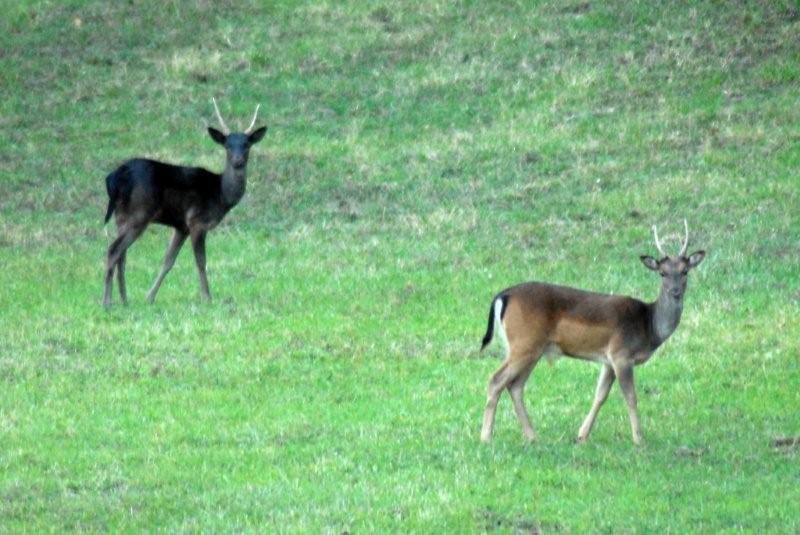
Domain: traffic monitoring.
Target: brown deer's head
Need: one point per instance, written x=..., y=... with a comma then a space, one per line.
x=674, y=270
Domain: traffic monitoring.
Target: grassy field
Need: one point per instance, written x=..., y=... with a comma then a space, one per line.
x=420, y=158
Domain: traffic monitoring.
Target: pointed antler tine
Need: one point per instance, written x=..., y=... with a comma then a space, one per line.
x=253, y=122
x=225, y=129
x=658, y=243
x=685, y=244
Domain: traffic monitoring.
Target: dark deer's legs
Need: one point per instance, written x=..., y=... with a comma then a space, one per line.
x=199, y=246
x=173, y=249
x=123, y=294
x=604, y=383
x=115, y=252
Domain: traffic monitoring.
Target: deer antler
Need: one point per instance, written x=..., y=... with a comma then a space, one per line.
x=685, y=244
x=658, y=243
x=253, y=122
x=225, y=129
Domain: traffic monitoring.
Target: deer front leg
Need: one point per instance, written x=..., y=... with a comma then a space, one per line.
x=604, y=383
x=199, y=246
x=625, y=375
x=169, y=260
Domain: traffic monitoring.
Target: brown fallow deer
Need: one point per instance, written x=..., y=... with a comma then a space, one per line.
x=616, y=331
x=191, y=200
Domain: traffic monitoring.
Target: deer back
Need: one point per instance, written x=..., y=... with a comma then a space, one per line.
x=580, y=323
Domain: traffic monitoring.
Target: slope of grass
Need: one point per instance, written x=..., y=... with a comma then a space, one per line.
x=419, y=159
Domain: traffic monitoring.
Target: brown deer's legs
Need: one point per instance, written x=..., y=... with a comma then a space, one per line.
x=512, y=369
x=199, y=246
x=516, y=389
x=115, y=251
x=604, y=383
x=173, y=249
x=497, y=384
x=625, y=375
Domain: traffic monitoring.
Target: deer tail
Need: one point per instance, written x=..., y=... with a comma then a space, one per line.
x=496, y=310
x=113, y=189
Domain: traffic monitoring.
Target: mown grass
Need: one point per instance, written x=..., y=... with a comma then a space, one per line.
x=419, y=159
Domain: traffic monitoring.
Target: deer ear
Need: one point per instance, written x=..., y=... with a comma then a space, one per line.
x=216, y=135
x=256, y=136
x=695, y=258
x=649, y=262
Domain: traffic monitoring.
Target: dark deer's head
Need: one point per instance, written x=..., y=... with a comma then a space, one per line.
x=674, y=270
x=237, y=144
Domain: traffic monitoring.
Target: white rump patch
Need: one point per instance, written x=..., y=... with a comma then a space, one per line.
x=498, y=323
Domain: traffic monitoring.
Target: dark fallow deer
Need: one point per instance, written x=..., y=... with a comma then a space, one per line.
x=191, y=200
x=618, y=332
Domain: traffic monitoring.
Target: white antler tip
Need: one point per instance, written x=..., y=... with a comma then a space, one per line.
x=685, y=244
x=222, y=124
x=253, y=122
x=658, y=242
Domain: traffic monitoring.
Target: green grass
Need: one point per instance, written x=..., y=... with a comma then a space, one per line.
x=419, y=159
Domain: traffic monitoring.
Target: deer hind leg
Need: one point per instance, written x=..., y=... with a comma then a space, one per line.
x=173, y=249
x=199, y=246
x=123, y=294
x=109, y=277
x=516, y=388
x=126, y=237
x=496, y=385
x=604, y=383
x=514, y=371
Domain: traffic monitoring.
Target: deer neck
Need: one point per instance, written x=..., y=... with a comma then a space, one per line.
x=666, y=315
x=233, y=184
